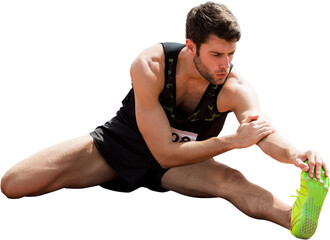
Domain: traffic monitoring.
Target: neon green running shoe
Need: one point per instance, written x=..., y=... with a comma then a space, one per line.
x=307, y=207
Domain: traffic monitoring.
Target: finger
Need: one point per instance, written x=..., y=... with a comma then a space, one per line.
x=264, y=133
x=326, y=169
x=318, y=165
x=263, y=122
x=301, y=164
x=260, y=124
x=250, y=118
x=264, y=125
x=260, y=130
x=311, y=163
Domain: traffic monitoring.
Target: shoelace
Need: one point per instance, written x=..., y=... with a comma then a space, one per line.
x=300, y=193
x=298, y=198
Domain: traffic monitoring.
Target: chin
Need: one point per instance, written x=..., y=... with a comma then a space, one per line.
x=219, y=81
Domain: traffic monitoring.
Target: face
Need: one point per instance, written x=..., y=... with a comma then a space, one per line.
x=214, y=59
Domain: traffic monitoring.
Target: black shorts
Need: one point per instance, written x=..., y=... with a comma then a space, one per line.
x=126, y=152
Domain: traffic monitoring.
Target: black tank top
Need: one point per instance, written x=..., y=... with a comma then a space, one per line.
x=204, y=123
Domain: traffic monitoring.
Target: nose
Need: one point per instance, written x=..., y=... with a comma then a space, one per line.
x=224, y=63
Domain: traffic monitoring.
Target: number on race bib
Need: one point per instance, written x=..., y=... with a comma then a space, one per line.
x=183, y=136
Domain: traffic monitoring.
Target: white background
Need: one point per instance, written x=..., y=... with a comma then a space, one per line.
x=64, y=69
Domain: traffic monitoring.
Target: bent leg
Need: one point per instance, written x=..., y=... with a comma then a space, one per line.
x=72, y=164
x=213, y=179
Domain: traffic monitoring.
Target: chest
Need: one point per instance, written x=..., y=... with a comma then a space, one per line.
x=189, y=94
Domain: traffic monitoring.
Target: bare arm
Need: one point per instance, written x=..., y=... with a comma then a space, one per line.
x=276, y=146
x=148, y=79
x=147, y=73
x=282, y=150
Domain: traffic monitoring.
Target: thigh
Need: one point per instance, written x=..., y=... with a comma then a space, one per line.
x=205, y=179
x=72, y=164
x=83, y=165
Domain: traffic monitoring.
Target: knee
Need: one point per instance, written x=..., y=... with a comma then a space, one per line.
x=229, y=182
x=234, y=177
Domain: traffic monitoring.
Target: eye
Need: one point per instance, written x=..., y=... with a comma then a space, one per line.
x=214, y=54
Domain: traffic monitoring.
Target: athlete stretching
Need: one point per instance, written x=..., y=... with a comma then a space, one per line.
x=165, y=135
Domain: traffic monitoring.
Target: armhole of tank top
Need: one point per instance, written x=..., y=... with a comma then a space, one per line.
x=166, y=68
x=170, y=53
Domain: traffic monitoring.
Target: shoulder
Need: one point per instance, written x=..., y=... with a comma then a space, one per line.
x=148, y=68
x=236, y=93
x=151, y=59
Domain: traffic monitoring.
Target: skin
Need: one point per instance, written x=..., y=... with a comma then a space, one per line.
x=237, y=96
x=192, y=169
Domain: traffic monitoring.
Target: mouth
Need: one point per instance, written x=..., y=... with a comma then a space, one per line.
x=222, y=75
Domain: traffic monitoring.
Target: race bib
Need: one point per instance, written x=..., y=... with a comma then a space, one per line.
x=183, y=136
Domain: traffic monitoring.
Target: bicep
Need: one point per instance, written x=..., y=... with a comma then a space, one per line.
x=150, y=116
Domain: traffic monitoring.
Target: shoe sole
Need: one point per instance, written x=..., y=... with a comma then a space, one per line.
x=317, y=190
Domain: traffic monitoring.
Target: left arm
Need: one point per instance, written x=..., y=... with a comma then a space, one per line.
x=283, y=151
x=244, y=103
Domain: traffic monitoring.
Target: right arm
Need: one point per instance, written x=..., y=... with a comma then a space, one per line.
x=147, y=73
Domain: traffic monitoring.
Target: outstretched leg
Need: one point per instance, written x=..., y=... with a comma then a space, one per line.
x=72, y=164
x=213, y=179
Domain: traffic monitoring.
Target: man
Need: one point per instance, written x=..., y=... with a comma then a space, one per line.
x=165, y=135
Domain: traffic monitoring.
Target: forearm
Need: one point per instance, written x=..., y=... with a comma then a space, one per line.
x=279, y=148
x=179, y=154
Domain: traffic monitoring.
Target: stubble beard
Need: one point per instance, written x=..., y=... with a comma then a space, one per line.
x=205, y=72
x=202, y=69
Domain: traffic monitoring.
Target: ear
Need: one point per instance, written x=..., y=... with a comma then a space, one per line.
x=191, y=46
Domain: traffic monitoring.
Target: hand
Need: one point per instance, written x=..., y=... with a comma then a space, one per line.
x=251, y=131
x=315, y=162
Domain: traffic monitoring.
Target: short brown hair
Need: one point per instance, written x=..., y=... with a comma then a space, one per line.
x=211, y=18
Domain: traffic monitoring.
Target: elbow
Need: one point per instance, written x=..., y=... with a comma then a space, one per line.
x=168, y=154
x=165, y=166
x=164, y=154
x=164, y=163
x=165, y=160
